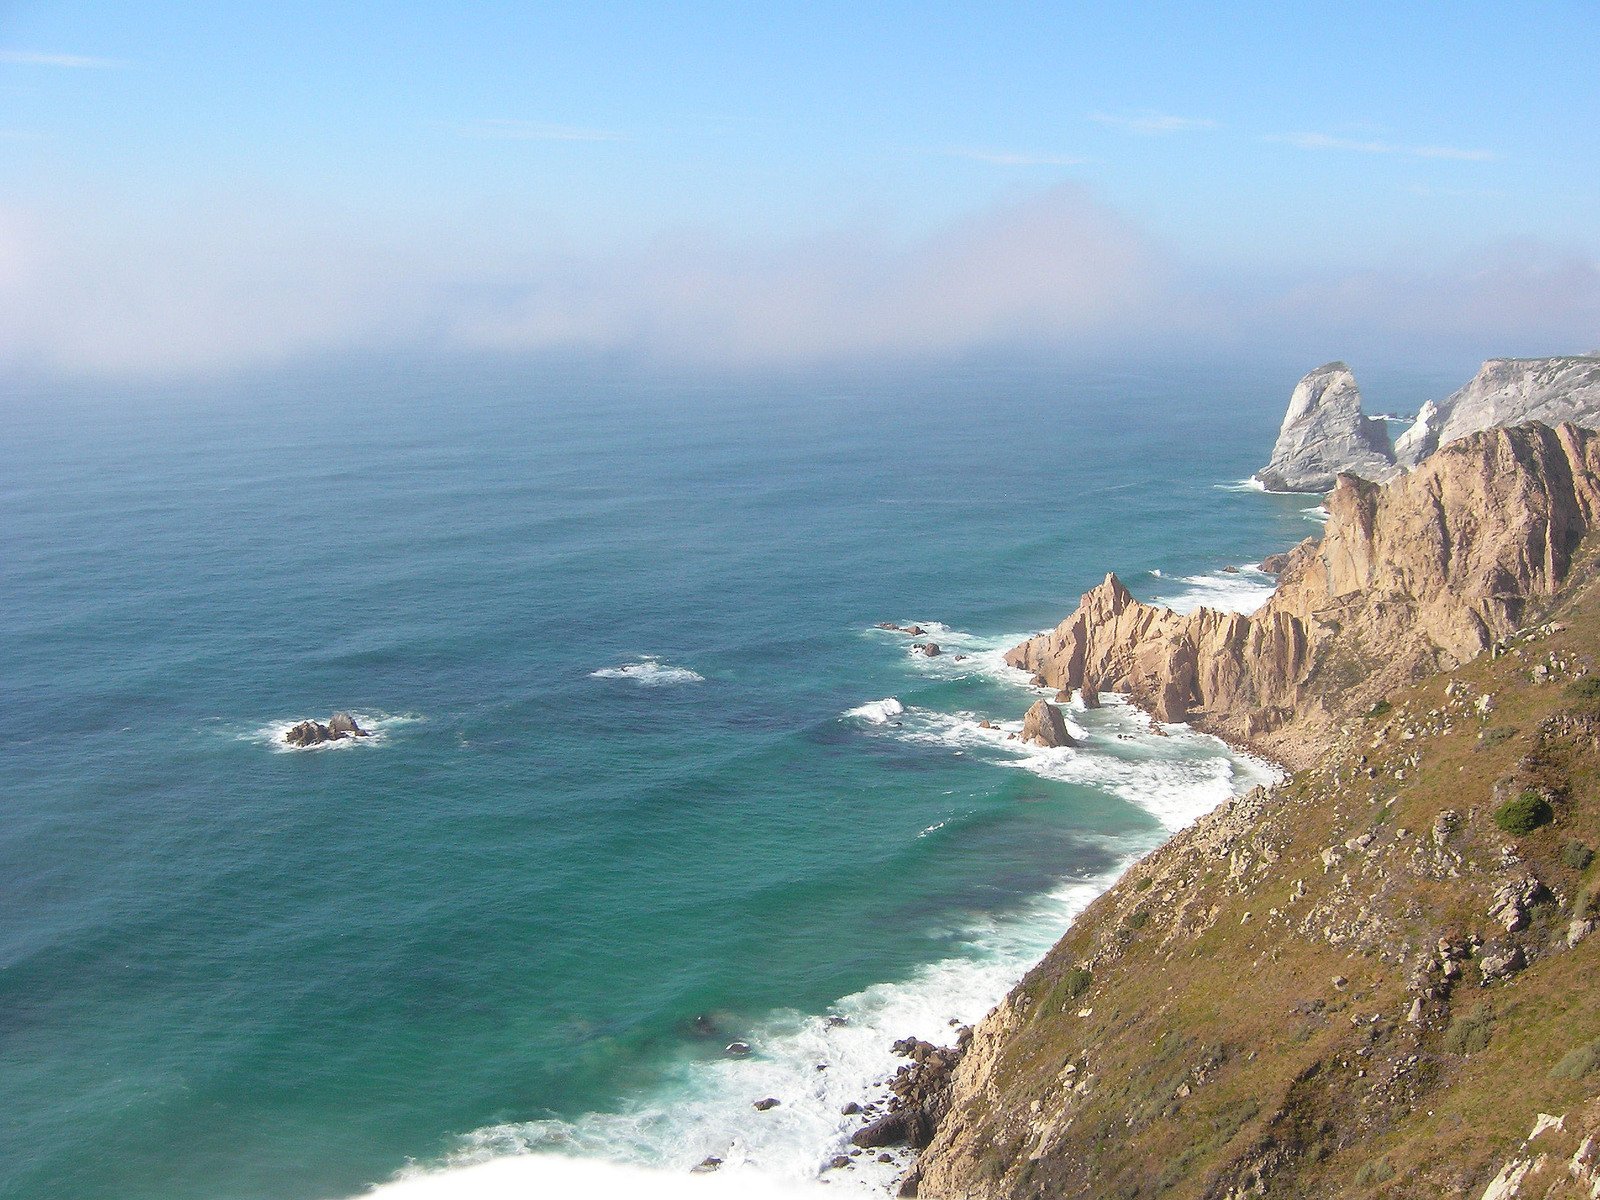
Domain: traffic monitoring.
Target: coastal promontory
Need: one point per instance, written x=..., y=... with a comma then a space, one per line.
x=1375, y=978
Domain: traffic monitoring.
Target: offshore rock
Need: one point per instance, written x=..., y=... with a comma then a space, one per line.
x=314, y=733
x=1423, y=573
x=1325, y=433
x=1043, y=725
x=1507, y=391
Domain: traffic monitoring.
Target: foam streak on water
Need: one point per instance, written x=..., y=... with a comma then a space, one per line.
x=649, y=671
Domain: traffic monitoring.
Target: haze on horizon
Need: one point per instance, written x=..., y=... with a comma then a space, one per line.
x=194, y=191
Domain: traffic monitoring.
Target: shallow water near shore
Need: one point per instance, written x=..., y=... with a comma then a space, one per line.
x=646, y=780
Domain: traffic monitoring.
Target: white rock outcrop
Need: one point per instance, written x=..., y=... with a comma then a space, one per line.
x=1507, y=391
x=1325, y=433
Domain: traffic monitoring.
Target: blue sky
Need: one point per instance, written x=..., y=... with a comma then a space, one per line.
x=199, y=188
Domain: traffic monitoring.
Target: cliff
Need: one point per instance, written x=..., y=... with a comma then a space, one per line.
x=1422, y=574
x=1507, y=391
x=1324, y=433
x=1375, y=979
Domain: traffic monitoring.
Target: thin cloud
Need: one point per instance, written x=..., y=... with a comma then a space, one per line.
x=1152, y=124
x=1324, y=141
x=499, y=130
x=1011, y=158
x=75, y=62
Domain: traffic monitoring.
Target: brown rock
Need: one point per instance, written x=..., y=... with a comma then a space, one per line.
x=1424, y=572
x=931, y=650
x=1044, y=726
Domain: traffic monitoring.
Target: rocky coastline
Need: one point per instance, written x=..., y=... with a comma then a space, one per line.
x=1381, y=670
x=1325, y=432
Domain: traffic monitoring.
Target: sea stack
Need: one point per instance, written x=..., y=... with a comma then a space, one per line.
x=1324, y=434
x=1045, y=726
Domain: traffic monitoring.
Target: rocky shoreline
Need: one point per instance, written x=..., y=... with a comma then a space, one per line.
x=1410, y=582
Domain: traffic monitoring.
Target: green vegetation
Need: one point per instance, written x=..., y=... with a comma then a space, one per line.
x=1576, y=855
x=1586, y=690
x=1380, y=1171
x=1470, y=1033
x=1381, y=709
x=1577, y=1062
x=1523, y=814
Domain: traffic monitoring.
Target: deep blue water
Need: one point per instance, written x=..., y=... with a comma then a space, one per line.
x=232, y=971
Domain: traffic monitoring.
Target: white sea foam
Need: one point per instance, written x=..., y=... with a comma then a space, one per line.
x=379, y=725
x=962, y=654
x=706, y=1109
x=1242, y=590
x=649, y=671
x=878, y=712
x=1242, y=485
x=1174, y=774
x=815, y=1064
x=1318, y=513
x=555, y=1177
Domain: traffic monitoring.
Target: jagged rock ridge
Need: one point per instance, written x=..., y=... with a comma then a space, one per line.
x=1427, y=571
x=1507, y=391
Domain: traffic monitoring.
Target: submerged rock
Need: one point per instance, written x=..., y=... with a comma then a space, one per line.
x=1043, y=725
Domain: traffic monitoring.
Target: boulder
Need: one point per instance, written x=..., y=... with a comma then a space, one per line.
x=342, y=724
x=1043, y=725
x=931, y=650
x=769, y=1102
x=1089, y=692
x=307, y=733
x=1497, y=964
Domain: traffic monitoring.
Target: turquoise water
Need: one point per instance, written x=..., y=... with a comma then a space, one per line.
x=230, y=970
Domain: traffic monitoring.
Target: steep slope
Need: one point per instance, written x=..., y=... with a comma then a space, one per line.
x=1324, y=433
x=1421, y=574
x=1356, y=984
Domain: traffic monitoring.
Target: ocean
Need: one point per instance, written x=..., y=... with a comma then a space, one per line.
x=646, y=780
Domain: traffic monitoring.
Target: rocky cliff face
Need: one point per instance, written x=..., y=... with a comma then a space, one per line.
x=1423, y=573
x=1324, y=433
x=1368, y=981
x=1508, y=391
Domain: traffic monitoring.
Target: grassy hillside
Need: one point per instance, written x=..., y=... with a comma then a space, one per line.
x=1357, y=984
